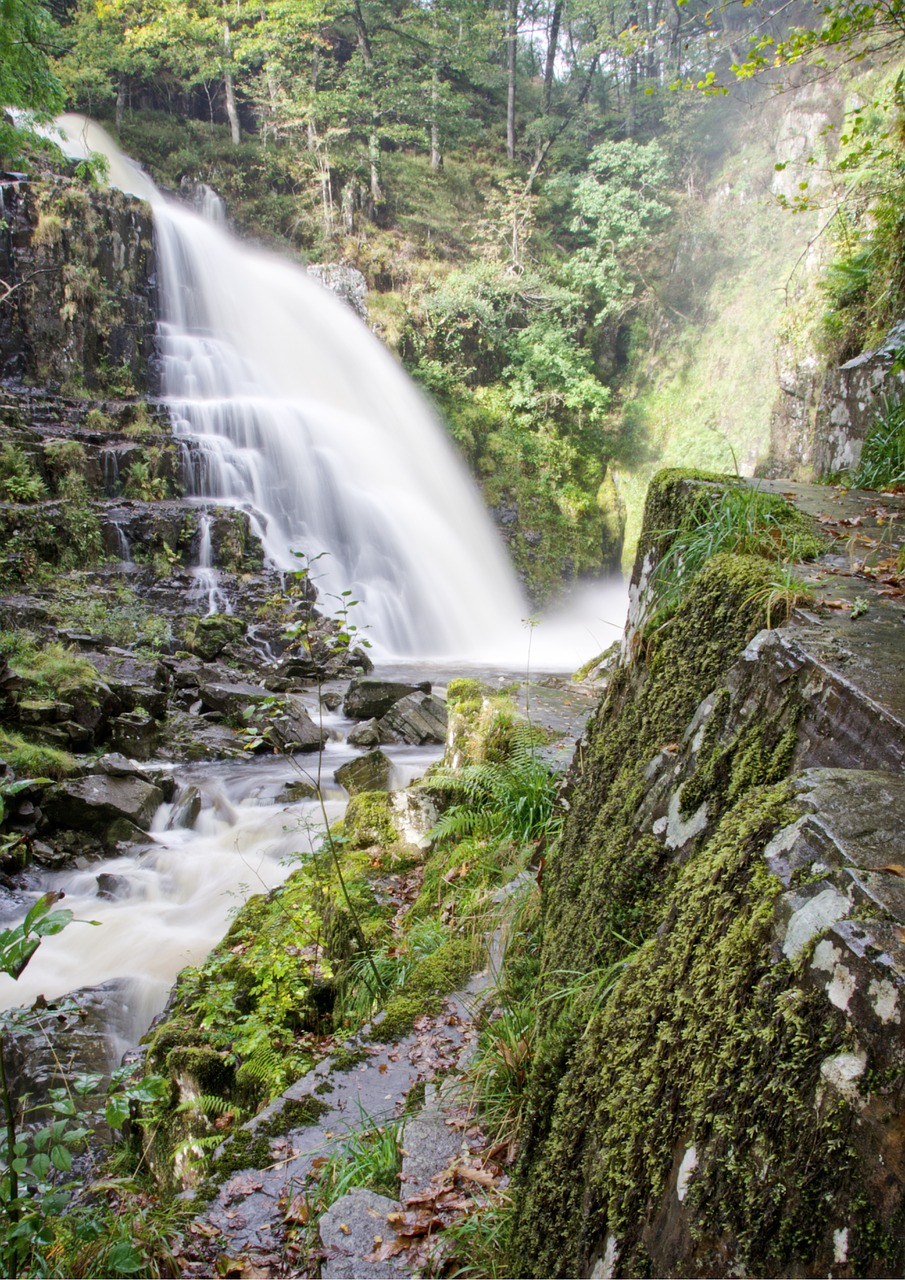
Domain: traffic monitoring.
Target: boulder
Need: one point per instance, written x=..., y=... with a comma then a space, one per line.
x=420, y=717
x=135, y=734
x=232, y=698
x=134, y=682
x=370, y=772
x=112, y=886
x=115, y=765
x=367, y=698
x=98, y=802
x=289, y=725
x=366, y=734
x=208, y=637
x=186, y=809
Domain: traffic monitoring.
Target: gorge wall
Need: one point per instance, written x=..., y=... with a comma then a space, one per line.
x=727, y=1096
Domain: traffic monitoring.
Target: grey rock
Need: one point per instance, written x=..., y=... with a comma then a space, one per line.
x=331, y=699
x=430, y=1145
x=186, y=809
x=417, y=718
x=93, y=803
x=292, y=792
x=368, y=698
x=112, y=886
x=366, y=734
x=135, y=734
x=348, y=1230
x=370, y=772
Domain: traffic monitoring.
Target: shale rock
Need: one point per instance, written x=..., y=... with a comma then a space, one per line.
x=420, y=717
x=351, y=1230
x=96, y=803
x=367, y=734
x=366, y=773
x=368, y=699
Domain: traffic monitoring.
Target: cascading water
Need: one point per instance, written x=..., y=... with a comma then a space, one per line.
x=297, y=412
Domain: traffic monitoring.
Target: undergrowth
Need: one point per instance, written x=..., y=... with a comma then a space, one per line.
x=882, y=461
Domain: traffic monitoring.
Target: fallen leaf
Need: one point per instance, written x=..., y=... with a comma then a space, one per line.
x=894, y=869
x=382, y=1068
x=480, y=1176
x=345, y=1228
x=298, y=1210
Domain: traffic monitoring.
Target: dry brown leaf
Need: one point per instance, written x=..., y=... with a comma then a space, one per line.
x=382, y=1068
x=894, y=869
x=298, y=1210
x=480, y=1176
x=345, y=1228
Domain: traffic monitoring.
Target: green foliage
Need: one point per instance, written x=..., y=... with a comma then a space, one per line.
x=734, y=518
x=28, y=34
x=882, y=461
x=618, y=204
x=512, y=800
x=19, y=481
x=33, y=759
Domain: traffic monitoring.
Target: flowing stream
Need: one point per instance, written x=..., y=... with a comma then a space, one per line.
x=288, y=407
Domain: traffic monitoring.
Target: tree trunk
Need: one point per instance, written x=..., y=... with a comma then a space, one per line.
x=549, y=69
x=436, y=154
x=511, y=50
x=230, y=93
x=120, y=103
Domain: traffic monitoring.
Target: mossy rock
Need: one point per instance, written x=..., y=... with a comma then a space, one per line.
x=368, y=820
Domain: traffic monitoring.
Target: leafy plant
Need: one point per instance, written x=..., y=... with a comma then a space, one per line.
x=882, y=461
x=511, y=800
x=19, y=481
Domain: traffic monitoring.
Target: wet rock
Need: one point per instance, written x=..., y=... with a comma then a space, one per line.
x=368, y=699
x=186, y=809
x=430, y=1145
x=135, y=683
x=34, y=711
x=351, y=1230
x=292, y=792
x=370, y=772
x=115, y=765
x=46, y=855
x=232, y=699
x=208, y=637
x=112, y=886
x=367, y=734
x=135, y=734
x=417, y=718
x=331, y=699
x=97, y=803
x=291, y=727
x=190, y=737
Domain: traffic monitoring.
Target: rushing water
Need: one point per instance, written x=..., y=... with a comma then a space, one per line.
x=288, y=407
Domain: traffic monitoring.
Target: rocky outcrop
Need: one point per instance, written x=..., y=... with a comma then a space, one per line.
x=368, y=699
x=110, y=808
x=823, y=415
x=346, y=282
x=82, y=314
x=369, y=772
x=724, y=1096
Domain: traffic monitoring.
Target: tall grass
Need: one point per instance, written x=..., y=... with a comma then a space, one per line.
x=882, y=463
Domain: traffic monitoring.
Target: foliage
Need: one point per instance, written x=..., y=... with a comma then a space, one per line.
x=19, y=480
x=882, y=461
x=736, y=518
x=32, y=758
x=370, y=1157
x=28, y=38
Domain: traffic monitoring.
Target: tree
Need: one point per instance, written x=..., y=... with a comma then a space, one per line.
x=28, y=37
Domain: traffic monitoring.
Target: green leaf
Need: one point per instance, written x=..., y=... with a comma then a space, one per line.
x=126, y=1258
x=61, y=1159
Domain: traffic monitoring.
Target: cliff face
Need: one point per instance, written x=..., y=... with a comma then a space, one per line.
x=727, y=1096
x=80, y=314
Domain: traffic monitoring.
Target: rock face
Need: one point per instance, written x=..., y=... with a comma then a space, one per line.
x=729, y=861
x=823, y=415
x=84, y=309
x=346, y=282
x=368, y=699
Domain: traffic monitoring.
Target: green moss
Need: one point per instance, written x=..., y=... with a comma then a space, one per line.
x=368, y=820
x=31, y=760
x=704, y=1042
x=433, y=977
x=467, y=690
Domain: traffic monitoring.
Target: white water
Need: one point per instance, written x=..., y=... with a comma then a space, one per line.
x=289, y=407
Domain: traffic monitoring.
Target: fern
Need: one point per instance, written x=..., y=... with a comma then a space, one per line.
x=206, y=1104
x=512, y=800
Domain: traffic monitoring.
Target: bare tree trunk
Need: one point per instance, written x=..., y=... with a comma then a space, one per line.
x=550, y=67
x=364, y=44
x=231, y=111
x=436, y=154
x=120, y=103
x=511, y=50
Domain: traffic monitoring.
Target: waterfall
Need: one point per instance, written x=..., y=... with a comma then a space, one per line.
x=207, y=588
x=291, y=408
